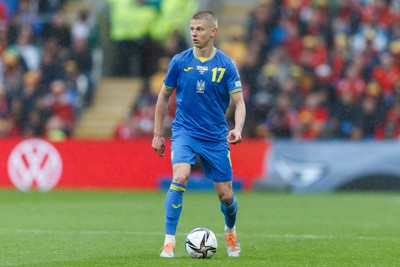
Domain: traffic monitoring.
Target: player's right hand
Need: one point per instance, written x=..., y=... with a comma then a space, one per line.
x=234, y=137
x=158, y=145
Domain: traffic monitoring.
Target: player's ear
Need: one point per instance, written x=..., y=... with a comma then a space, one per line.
x=214, y=31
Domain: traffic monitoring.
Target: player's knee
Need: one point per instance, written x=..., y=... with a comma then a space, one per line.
x=181, y=173
x=180, y=179
x=225, y=196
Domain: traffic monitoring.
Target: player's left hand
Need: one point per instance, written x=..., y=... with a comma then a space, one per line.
x=234, y=137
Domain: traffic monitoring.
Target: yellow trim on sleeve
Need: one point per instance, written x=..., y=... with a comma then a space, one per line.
x=237, y=90
x=169, y=88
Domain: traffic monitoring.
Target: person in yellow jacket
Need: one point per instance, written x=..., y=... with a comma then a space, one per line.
x=174, y=16
x=130, y=24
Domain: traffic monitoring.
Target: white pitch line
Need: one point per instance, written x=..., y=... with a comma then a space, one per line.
x=291, y=236
x=299, y=236
x=85, y=232
x=132, y=233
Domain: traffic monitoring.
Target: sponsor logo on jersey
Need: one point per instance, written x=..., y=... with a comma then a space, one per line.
x=187, y=69
x=202, y=69
x=201, y=86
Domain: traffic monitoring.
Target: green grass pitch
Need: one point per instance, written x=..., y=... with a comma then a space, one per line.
x=103, y=228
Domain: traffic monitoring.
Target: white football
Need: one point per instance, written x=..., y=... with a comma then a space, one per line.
x=201, y=243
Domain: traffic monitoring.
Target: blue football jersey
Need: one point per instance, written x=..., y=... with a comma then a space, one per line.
x=203, y=90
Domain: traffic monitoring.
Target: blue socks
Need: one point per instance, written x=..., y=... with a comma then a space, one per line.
x=230, y=210
x=173, y=207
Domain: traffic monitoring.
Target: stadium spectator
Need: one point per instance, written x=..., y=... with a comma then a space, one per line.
x=236, y=48
x=34, y=125
x=352, y=82
x=29, y=90
x=368, y=117
x=55, y=129
x=80, y=28
x=76, y=86
x=314, y=52
x=82, y=57
x=312, y=118
x=59, y=30
x=263, y=18
x=45, y=114
x=4, y=128
x=175, y=44
x=169, y=22
x=343, y=116
x=16, y=117
x=50, y=70
x=387, y=75
x=27, y=13
x=13, y=71
x=281, y=120
x=390, y=127
x=126, y=128
x=130, y=24
x=3, y=12
x=60, y=102
x=27, y=50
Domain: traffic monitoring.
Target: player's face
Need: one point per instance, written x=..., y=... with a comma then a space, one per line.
x=202, y=33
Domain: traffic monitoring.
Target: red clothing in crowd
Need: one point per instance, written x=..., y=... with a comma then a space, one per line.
x=387, y=78
x=356, y=87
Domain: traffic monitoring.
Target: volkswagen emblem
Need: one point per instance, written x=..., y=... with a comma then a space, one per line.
x=34, y=163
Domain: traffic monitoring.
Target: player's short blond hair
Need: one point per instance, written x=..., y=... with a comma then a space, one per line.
x=207, y=15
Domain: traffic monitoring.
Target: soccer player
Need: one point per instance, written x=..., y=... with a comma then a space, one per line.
x=205, y=80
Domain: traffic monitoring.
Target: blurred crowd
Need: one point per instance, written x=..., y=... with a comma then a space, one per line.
x=45, y=66
x=310, y=69
x=324, y=69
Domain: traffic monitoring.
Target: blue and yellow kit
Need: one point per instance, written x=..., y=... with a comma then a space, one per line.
x=203, y=88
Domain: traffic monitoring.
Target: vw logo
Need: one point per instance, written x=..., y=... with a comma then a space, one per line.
x=34, y=163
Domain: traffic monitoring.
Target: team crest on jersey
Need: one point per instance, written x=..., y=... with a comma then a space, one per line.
x=201, y=86
x=202, y=69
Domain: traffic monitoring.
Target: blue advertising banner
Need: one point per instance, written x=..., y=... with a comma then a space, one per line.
x=324, y=166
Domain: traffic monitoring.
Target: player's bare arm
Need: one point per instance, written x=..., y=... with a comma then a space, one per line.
x=235, y=135
x=158, y=143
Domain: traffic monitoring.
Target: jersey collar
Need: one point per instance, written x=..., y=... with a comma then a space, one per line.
x=204, y=59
